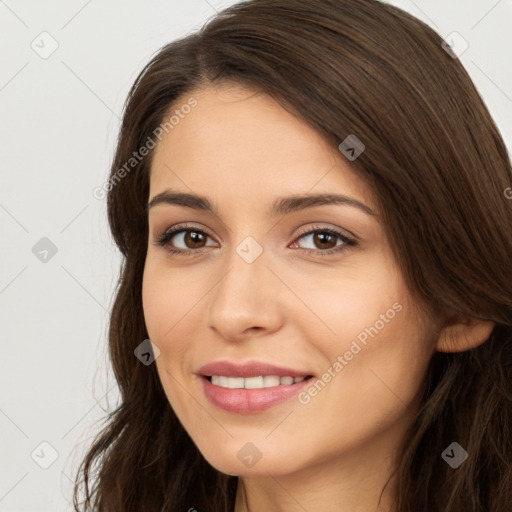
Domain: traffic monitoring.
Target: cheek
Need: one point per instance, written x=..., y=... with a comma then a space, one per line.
x=171, y=309
x=369, y=388
x=383, y=361
x=167, y=298
x=343, y=304
x=166, y=309
x=375, y=344
x=153, y=300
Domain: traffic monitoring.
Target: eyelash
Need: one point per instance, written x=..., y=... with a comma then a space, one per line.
x=164, y=240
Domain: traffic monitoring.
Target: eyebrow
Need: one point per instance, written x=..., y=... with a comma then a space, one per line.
x=281, y=206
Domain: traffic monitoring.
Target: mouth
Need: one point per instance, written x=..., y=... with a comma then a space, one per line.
x=251, y=395
x=249, y=387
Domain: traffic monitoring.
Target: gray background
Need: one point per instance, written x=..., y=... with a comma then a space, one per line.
x=60, y=118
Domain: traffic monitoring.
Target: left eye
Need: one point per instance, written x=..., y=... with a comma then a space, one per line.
x=324, y=238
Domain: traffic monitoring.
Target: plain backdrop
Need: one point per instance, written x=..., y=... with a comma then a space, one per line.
x=65, y=70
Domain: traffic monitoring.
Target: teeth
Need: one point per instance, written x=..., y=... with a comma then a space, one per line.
x=252, y=382
x=267, y=381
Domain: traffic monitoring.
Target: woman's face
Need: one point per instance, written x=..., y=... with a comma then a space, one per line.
x=270, y=285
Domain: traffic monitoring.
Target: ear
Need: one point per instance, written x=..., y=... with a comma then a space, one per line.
x=463, y=333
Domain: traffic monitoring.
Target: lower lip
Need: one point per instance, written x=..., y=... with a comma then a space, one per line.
x=249, y=401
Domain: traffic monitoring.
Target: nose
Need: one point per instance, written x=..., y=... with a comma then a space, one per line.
x=247, y=301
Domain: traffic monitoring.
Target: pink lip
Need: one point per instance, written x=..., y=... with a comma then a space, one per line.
x=249, y=369
x=249, y=401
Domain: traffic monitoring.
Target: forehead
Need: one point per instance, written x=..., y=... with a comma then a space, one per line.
x=241, y=142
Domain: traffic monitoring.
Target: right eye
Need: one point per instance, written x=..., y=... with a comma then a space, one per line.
x=190, y=237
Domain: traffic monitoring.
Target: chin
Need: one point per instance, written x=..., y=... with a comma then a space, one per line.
x=247, y=460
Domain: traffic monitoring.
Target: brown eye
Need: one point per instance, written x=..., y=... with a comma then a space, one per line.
x=183, y=240
x=193, y=239
x=324, y=240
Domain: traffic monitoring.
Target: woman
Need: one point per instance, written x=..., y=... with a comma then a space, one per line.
x=315, y=306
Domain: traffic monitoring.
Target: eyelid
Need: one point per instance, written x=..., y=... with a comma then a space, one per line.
x=325, y=226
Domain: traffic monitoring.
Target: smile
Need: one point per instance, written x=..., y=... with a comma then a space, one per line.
x=251, y=395
x=262, y=381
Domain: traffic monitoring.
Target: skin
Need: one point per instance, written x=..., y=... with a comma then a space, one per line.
x=292, y=307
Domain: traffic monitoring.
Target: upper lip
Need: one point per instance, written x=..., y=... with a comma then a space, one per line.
x=248, y=369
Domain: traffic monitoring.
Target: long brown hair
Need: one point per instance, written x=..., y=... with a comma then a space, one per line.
x=438, y=167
